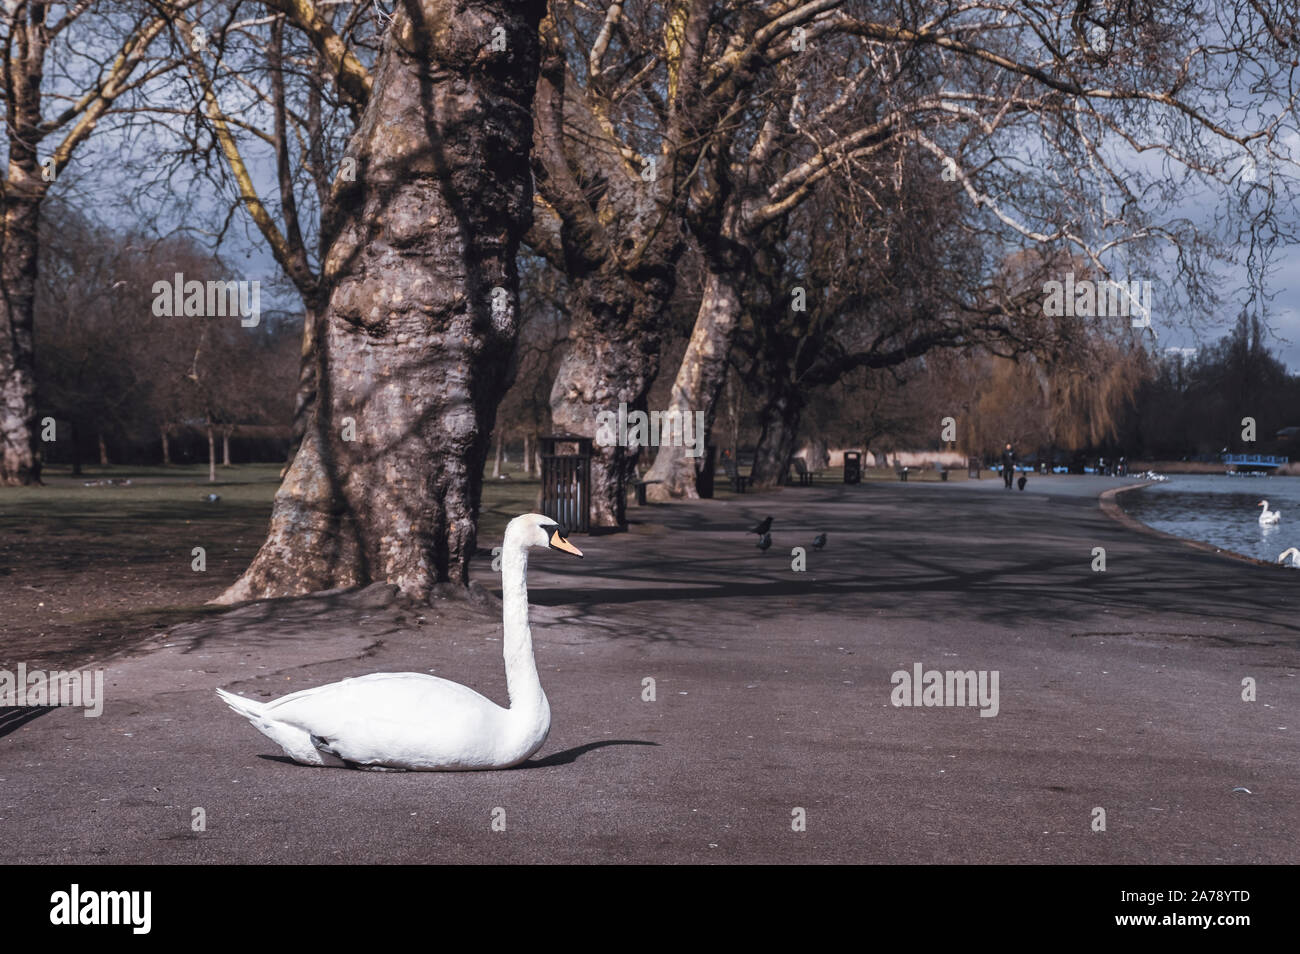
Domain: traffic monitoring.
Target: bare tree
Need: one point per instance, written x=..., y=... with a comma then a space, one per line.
x=63, y=68
x=629, y=101
x=1037, y=115
x=282, y=91
x=422, y=310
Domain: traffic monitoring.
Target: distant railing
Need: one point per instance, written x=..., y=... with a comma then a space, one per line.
x=1255, y=460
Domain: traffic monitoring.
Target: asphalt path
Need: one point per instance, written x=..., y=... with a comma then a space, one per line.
x=1118, y=690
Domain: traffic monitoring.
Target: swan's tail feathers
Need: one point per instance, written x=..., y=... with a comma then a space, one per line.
x=247, y=708
x=295, y=742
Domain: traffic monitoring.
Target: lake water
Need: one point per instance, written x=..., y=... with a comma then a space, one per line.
x=1222, y=510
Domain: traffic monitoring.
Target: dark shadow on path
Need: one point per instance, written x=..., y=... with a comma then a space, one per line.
x=568, y=756
x=13, y=719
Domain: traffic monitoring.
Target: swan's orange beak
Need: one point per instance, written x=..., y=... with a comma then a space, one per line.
x=559, y=543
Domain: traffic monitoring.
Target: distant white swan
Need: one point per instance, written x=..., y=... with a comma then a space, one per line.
x=1267, y=516
x=1292, y=554
x=417, y=722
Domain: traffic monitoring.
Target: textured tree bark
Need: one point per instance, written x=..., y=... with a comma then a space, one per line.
x=225, y=448
x=619, y=236
x=212, y=456
x=414, y=357
x=166, y=448
x=699, y=382
x=612, y=359
x=496, y=460
x=528, y=453
x=19, y=458
x=779, y=427
x=103, y=452
x=308, y=375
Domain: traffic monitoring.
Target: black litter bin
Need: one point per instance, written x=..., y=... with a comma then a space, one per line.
x=852, y=467
x=566, y=481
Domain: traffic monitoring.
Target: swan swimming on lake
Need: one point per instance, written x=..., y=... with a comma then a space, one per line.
x=1292, y=554
x=1267, y=516
x=412, y=721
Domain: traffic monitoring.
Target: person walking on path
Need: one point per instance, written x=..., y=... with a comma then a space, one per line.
x=1008, y=466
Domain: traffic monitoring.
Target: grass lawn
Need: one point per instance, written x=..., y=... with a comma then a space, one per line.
x=88, y=572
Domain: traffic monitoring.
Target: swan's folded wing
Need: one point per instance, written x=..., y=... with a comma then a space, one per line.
x=388, y=718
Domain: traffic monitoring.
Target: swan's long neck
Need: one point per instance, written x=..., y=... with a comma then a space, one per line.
x=521, y=669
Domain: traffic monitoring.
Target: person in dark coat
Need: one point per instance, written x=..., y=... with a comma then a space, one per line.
x=1008, y=465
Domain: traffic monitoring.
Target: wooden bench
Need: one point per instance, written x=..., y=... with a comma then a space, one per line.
x=738, y=480
x=641, y=485
x=801, y=471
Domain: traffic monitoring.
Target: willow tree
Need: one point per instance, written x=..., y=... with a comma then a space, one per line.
x=63, y=68
x=1034, y=113
x=421, y=313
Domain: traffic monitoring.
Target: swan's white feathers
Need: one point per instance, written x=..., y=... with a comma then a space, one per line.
x=386, y=718
x=411, y=720
x=295, y=742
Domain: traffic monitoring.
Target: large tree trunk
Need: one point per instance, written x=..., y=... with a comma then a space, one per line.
x=496, y=460
x=308, y=375
x=166, y=447
x=612, y=359
x=19, y=459
x=103, y=452
x=699, y=382
x=225, y=448
x=414, y=359
x=528, y=453
x=779, y=422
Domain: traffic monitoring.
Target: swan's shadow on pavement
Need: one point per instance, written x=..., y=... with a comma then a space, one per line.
x=572, y=755
x=566, y=757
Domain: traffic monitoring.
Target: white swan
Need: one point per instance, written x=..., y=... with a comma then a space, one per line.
x=1267, y=516
x=412, y=721
x=1292, y=554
